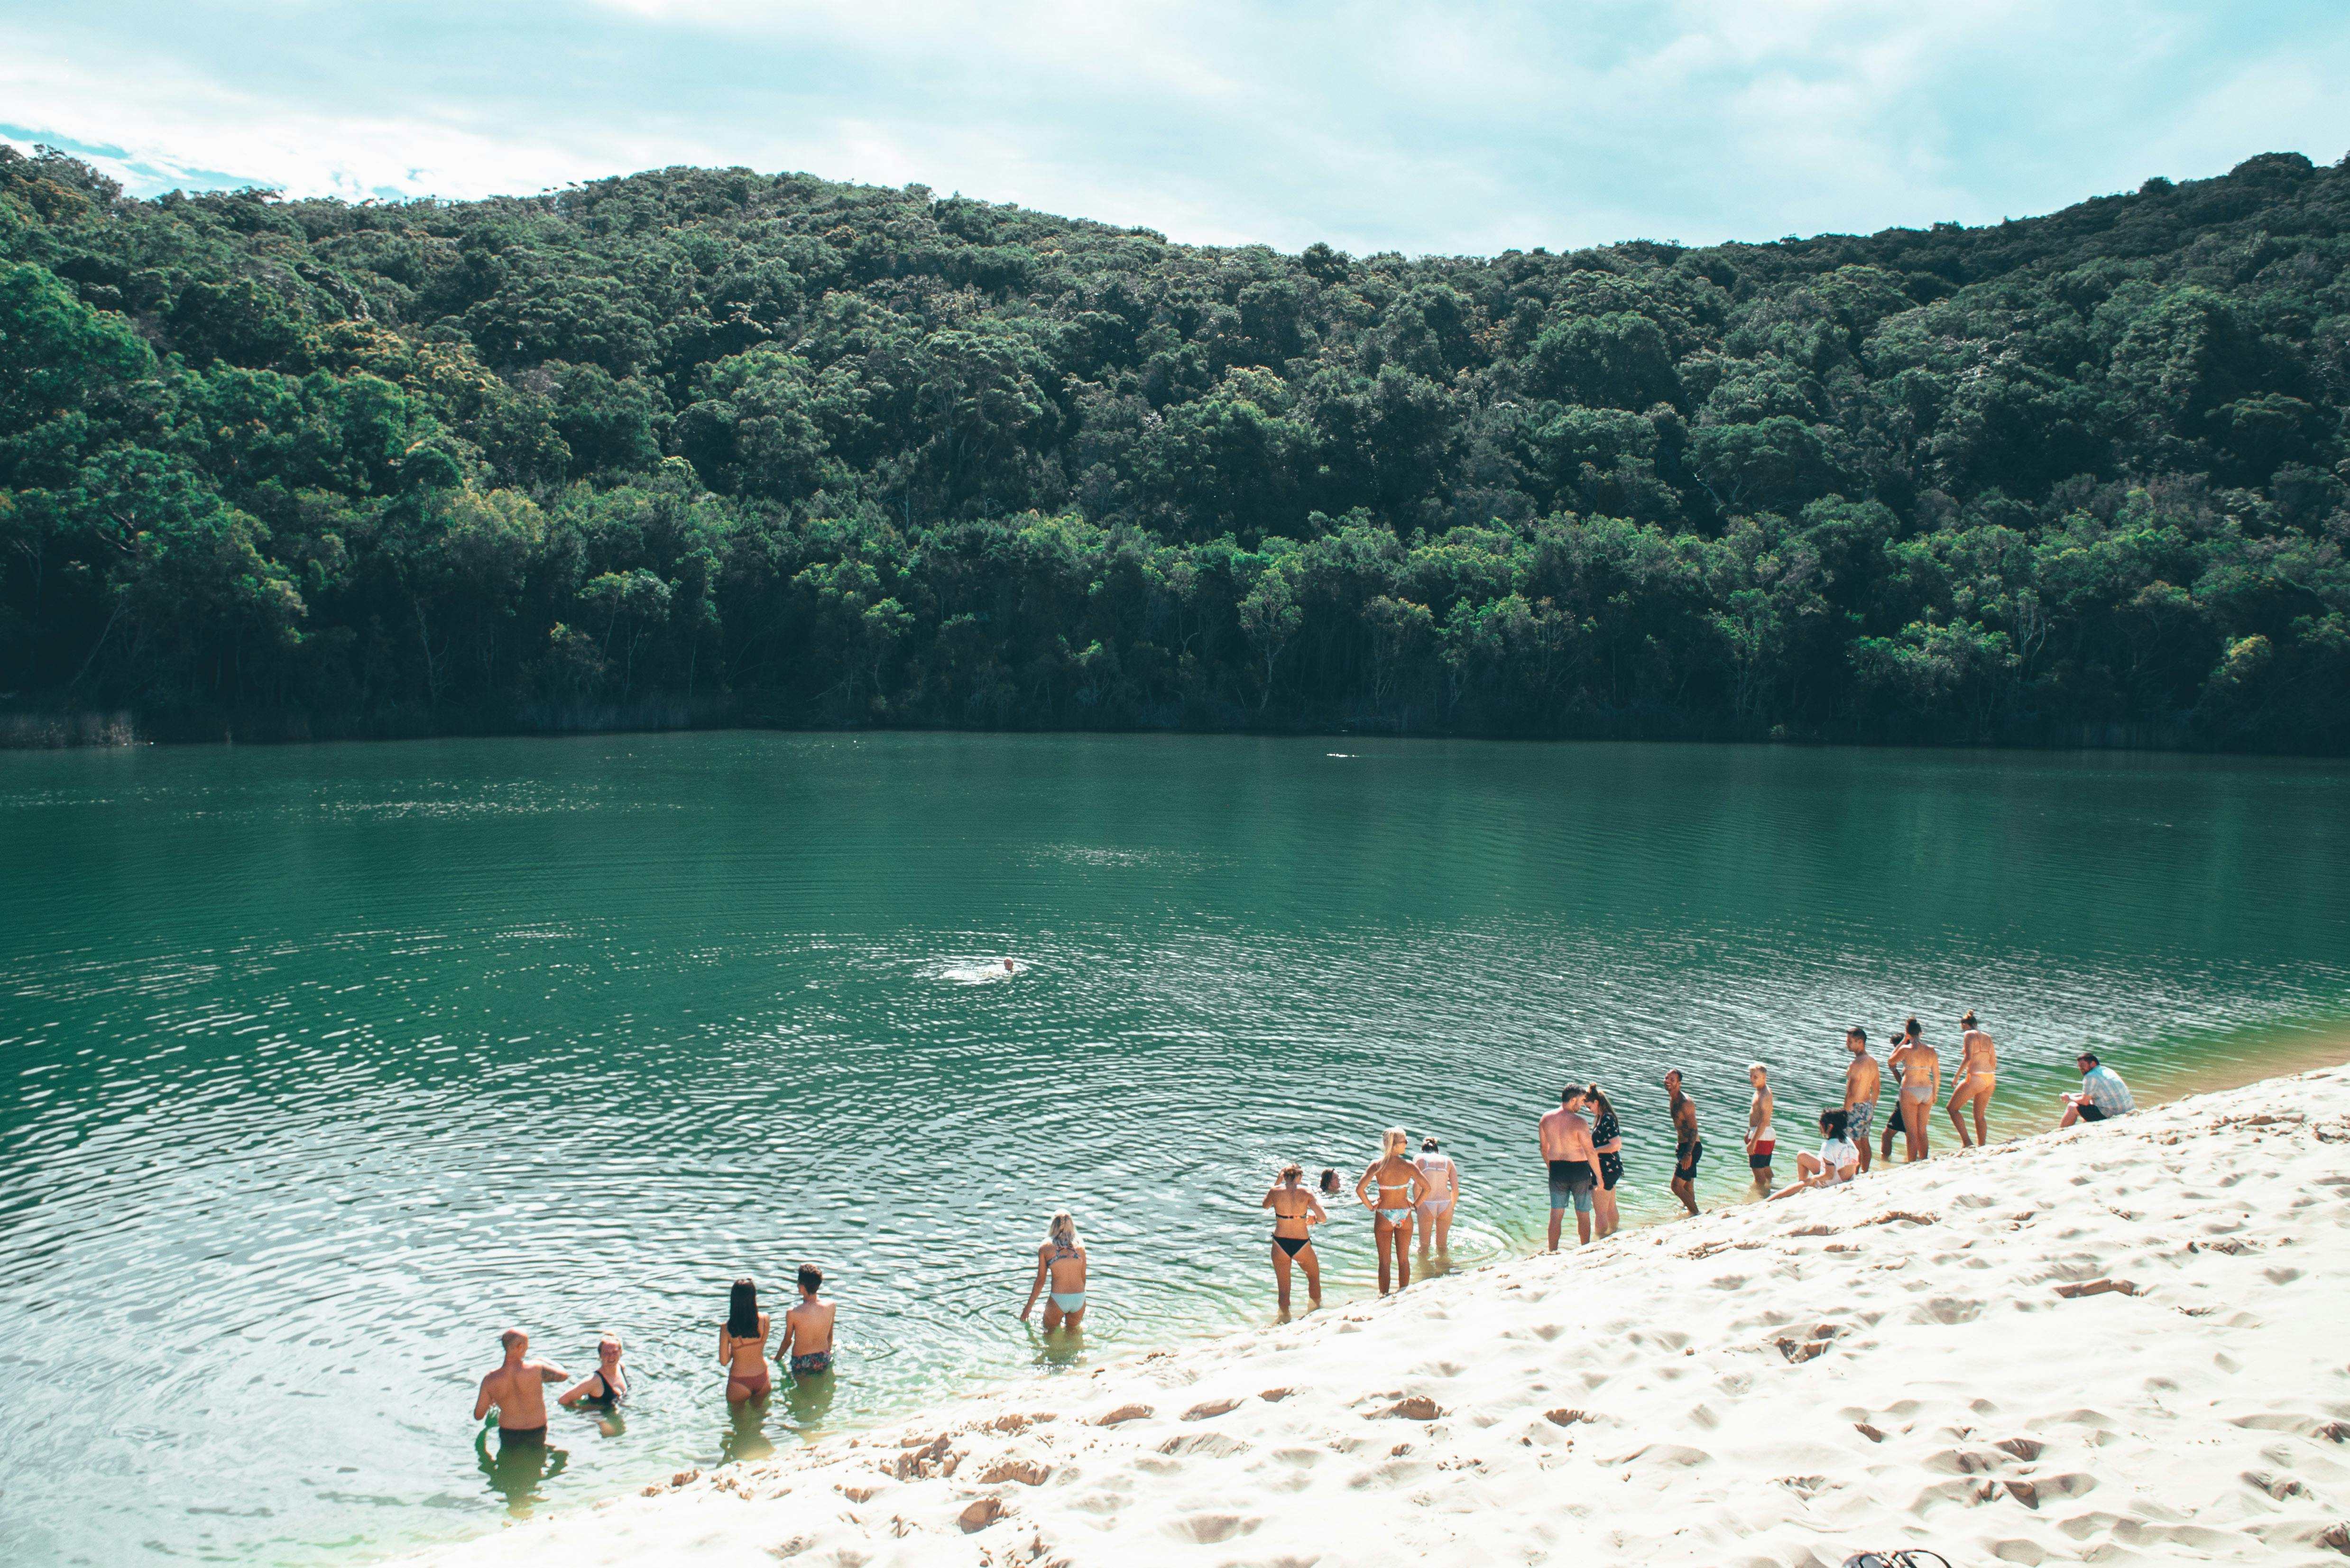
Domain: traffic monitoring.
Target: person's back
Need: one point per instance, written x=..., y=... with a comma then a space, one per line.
x=518, y=1390
x=807, y=1327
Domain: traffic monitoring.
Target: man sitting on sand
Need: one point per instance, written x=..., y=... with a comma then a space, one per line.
x=518, y=1390
x=1837, y=1162
x=2103, y=1094
x=1761, y=1136
x=1862, y=1084
x=1573, y=1163
x=806, y=1348
x=1687, y=1146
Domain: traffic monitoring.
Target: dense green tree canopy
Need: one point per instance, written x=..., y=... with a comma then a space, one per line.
x=707, y=445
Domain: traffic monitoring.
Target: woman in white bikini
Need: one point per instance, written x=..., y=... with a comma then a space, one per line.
x=1296, y=1212
x=1061, y=1263
x=1978, y=1076
x=1400, y=1187
x=1443, y=1192
x=1921, y=1080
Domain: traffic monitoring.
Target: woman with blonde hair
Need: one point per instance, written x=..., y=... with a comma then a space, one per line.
x=1061, y=1264
x=1400, y=1185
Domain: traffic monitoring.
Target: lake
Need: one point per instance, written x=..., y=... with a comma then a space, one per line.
x=324, y=1063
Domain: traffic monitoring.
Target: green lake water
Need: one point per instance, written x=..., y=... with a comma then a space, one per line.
x=319, y=1065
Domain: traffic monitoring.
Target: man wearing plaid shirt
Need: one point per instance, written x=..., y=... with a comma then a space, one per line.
x=2103, y=1094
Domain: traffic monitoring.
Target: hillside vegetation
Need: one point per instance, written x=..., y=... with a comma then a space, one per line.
x=715, y=446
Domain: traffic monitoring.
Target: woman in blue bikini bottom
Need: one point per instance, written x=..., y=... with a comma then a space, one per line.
x=1400, y=1184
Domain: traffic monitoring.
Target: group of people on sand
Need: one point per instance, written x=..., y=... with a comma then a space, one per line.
x=1582, y=1144
x=516, y=1387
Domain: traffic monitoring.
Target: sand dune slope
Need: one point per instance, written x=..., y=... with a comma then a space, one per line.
x=2124, y=1343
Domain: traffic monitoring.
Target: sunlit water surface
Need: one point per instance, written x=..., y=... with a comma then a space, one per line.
x=319, y=1065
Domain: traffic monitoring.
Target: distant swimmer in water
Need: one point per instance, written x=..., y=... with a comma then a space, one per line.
x=604, y=1387
x=1400, y=1187
x=1331, y=1184
x=1444, y=1194
x=742, y=1346
x=1978, y=1076
x=1009, y=967
x=1061, y=1264
x=807, y=1328
x=517, y=1388
x=1296, y=1212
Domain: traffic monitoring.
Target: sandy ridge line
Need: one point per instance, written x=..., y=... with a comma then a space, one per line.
x=2120, y=1342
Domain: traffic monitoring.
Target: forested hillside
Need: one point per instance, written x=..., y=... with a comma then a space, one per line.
x=712, y=446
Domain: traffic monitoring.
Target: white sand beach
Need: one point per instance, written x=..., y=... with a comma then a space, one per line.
x=2123, y=1343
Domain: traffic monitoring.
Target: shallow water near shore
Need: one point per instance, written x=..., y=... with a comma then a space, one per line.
x=324, y=1063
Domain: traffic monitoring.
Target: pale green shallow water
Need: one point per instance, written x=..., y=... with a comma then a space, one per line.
x=317, y=1065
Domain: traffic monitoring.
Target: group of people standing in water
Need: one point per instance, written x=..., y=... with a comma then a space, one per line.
x=1581, y=1142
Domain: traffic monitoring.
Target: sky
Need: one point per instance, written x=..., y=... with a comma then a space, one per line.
x=1461, y=128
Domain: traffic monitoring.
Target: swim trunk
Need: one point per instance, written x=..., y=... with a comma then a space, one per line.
x=521, y=1436
x=1759, y=1156
x=2089, y=1113
x=1857, y=1119
x=814, y=1362
x=1611, y=1170
x=1685, y=1160
x=1570, y=1185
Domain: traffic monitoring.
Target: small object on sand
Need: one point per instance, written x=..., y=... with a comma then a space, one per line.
x=981, y=1514
x=2096, y=1288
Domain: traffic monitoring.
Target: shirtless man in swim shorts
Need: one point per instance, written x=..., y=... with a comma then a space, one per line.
x=1761, y=1137
x=806, y=1348
x=1687, y=1146
x=1978, y=1076
x=1573, y=1163
x=1862, y=1084
x=517, y=1388
x=1921, y=1081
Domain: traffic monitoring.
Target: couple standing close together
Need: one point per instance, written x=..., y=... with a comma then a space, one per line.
x=1587, y=1160
x=1395, y=1187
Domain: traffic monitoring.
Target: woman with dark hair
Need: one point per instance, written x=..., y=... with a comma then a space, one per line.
x=1838, y=1157
x=1607, y=1142
x=742, y=1346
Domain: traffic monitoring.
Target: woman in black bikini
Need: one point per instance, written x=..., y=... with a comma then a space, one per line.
x=1295, y=1210
x=604, y=1387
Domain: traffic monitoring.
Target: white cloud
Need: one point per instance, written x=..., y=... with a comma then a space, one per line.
x=1458, y=128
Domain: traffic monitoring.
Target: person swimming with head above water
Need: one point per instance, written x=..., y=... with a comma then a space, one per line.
x=604, y=1387
x=742, y=1345
x=1061, y=1264
x=807, y=1328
